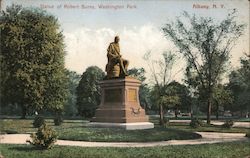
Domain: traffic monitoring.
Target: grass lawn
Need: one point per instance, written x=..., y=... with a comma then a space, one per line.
x=121, y=135
x=77, y=130
x=13, y=126
x=205, y=128
x=220, y=150
x=208, y=128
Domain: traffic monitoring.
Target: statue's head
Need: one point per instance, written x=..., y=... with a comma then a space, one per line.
x=117, y=39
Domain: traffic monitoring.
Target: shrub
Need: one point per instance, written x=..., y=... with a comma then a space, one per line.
x=248, y=134
x=58, y=120
x=166, y=122
x=38, y=121
x=228, y=124
x=195, y=123
x=44, y=138
x=10, y=131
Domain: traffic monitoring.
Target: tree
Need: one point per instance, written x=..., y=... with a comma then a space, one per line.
x=184, y=95
x=88, y=91
x=32, y=58
x=222, y=97
x=144, y=90
x=169, y=98
x=240, y=86
x=161, y=71
x=206, y=46
x=70, y=105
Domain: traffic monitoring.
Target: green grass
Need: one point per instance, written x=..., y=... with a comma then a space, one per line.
x=77, y=130
x=208, y=128
x=12, y=126
x=205, y=128
x=220, y=150
x=121, y=135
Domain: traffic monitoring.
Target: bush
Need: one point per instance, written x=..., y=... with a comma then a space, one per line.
x=58, y=120
x=44, y=138
x=9, y=132
x=228, y=124
x=166, y=122
x=195, y=123
x=248, y=134
x=38, y=121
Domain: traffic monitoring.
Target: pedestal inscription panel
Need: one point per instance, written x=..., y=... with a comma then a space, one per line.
x=112, y=95
x=132, y=95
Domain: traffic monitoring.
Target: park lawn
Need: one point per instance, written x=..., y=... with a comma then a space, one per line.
x=121, y=135
x=13, y=126
x=77, y=130
x=207, y=128
x=220, y=150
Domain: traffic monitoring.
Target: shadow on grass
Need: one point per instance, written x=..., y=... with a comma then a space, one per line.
x=121, y=135
x=27, y=148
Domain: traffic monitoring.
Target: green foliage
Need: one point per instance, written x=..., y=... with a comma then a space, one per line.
x=38, y=121
x=88, y=91
x=206, y=45
x=58, y=120
x=166, y=122
x=137, y=73
x=228, y=124
x=248, y=134
x=222, y=95
x=44, y=138
x=32, y=59
x=70, y=108
x=240, y=87
x=169, y=97
x=195, y=123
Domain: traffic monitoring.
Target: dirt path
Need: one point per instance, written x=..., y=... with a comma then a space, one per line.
x=207, y=138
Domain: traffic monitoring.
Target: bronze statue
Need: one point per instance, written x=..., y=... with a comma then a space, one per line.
x=117, y=66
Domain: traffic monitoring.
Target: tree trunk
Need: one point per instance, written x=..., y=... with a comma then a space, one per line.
x=191, y=111
x=24, y=112
x=176, y=113
x=209, y=105
x=217, y=111
x=161, y=115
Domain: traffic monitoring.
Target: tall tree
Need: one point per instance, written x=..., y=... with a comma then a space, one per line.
x=161, y=71
x=240, y=86
x=32, y=56
x=88, y=91
x=206, y=45
x=70, y=105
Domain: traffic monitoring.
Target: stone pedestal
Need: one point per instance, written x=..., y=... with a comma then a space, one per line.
x=120, y=106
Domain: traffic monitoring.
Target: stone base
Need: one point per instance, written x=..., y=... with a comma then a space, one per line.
x=127, y=126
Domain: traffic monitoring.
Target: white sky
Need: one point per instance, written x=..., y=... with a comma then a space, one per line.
x=89, y=31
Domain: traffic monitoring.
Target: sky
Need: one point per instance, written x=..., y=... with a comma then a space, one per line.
x=90, y=25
